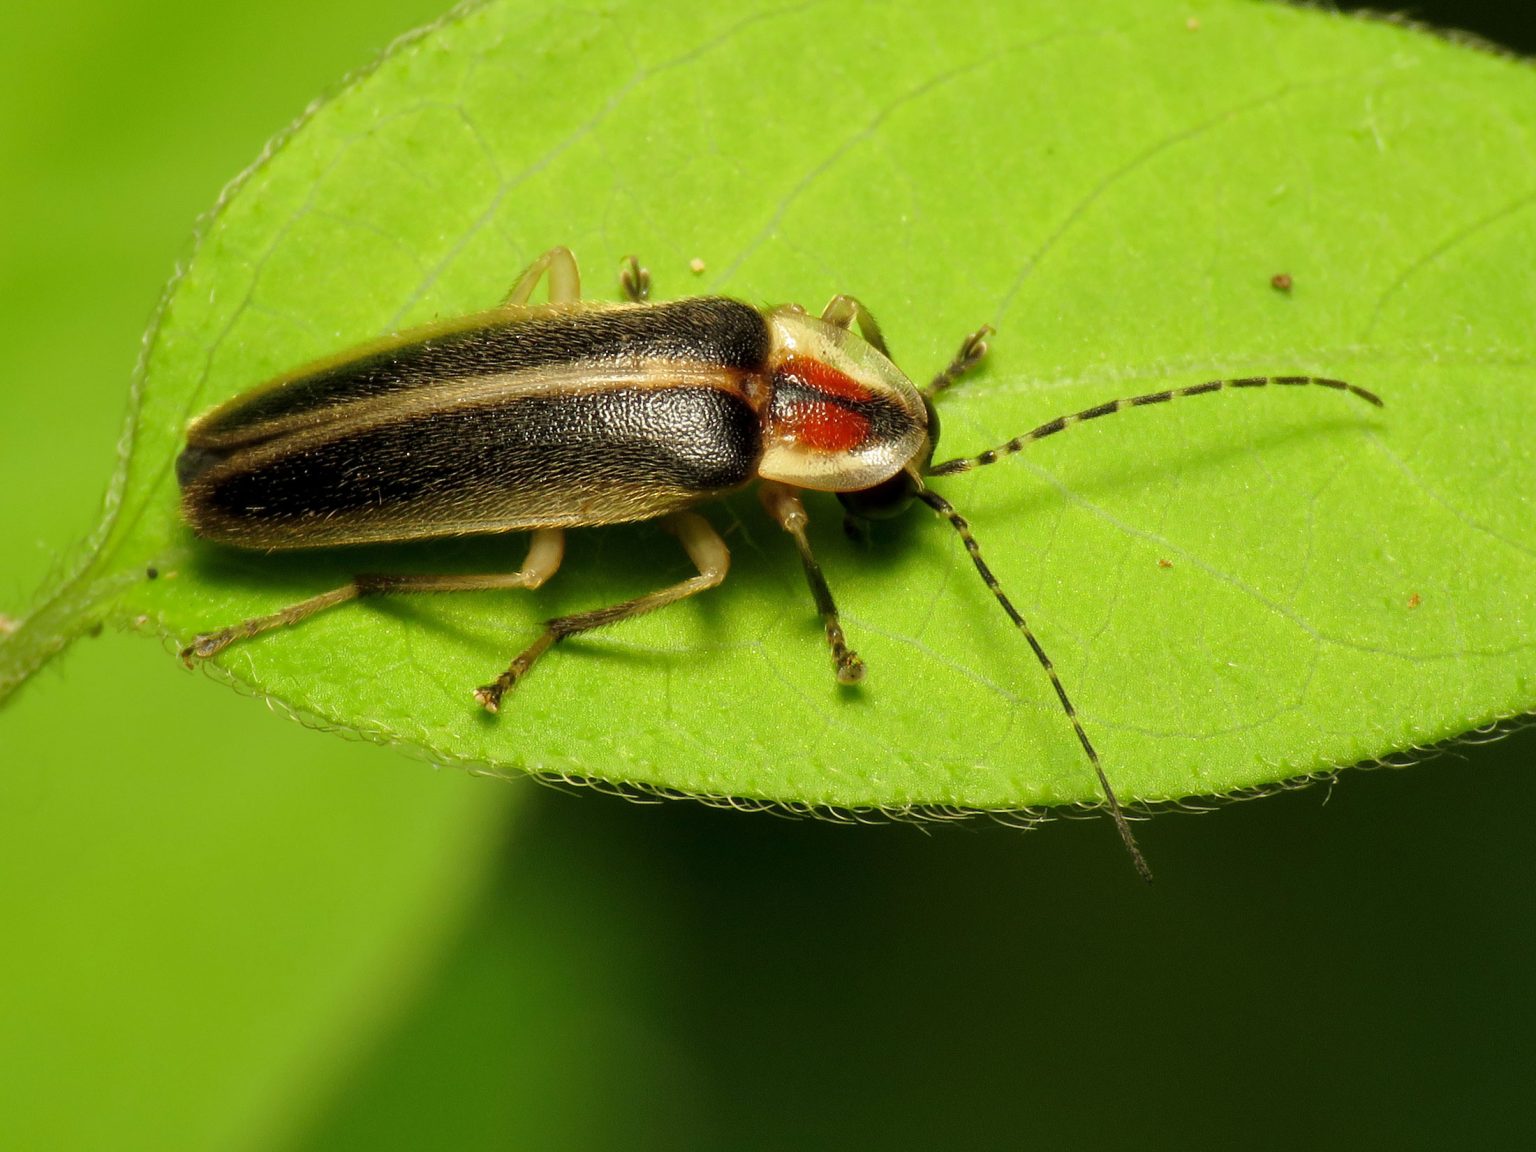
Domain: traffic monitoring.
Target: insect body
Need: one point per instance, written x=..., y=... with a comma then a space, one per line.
x=539, y=418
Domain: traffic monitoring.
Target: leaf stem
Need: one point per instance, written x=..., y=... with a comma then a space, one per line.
x=79, y=604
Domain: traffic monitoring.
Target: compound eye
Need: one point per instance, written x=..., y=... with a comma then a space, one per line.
x=883, y=501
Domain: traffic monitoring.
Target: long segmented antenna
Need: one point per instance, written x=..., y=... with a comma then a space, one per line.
x=972, y=351
x=958, y=522
x=1051, y=427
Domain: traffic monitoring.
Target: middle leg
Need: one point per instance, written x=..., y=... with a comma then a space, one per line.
x=564, y=279
x=704, y=547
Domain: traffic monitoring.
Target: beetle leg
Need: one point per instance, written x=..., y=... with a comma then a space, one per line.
x=843, y=311
x=564, y=279
x=972, y=349
x=544, y=553
x=783, y=504
x=635, y=280
x=704, y=548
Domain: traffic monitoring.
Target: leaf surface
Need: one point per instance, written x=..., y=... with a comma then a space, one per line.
x=1236, y=589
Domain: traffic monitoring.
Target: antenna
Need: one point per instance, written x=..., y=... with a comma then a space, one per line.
x=958, y=522
x=970, y=352
x=1051, y=427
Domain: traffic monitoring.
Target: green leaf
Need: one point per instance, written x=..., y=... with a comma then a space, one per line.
x=1236, y=589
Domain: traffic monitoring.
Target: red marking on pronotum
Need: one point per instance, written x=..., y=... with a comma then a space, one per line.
x=822, y=377
x=826, y=425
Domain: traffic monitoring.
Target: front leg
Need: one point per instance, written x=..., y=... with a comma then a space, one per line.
x=843, y=311
x=783, y=504
x=972, y=349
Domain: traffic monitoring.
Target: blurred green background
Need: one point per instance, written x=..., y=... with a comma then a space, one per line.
x=219, y=930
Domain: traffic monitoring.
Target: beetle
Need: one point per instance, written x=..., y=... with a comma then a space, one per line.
x=539, y=418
